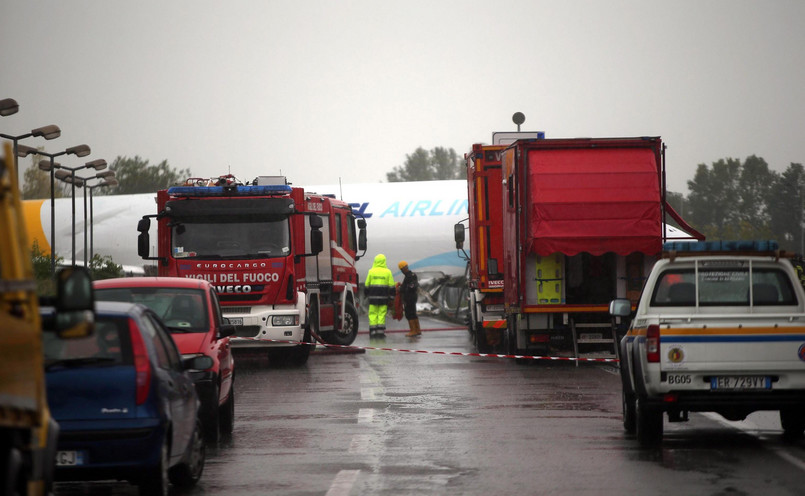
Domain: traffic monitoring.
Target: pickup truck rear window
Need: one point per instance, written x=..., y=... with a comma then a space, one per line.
x=723, y=286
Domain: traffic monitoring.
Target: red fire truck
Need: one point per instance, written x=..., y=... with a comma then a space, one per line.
x=282, y=260
x=559, y=228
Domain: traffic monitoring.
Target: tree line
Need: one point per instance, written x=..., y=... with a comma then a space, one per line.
x=734, y=199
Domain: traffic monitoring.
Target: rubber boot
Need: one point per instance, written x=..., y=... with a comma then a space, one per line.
x=418, y=330
x=412, y=325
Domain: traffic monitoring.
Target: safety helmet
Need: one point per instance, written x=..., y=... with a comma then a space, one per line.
x=402, y=264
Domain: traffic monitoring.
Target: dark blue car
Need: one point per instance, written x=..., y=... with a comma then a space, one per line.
x=124, y=401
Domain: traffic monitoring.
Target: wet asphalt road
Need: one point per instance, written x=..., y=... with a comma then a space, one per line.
x=393, y=422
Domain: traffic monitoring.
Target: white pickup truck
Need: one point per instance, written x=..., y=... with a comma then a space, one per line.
x=720, y=327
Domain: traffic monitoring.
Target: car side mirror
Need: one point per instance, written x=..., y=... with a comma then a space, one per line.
x=458, y=234
x=620, y=307
x=226, y=330
x=197, y=362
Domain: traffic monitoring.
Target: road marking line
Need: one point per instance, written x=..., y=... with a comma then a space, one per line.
x=365, y=415
x=343, y=482
x=752, y=430
x=359, y=443
x=368, y=393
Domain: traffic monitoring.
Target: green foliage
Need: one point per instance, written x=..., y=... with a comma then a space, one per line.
x=100, y=267
x=104, y=268
x=36, y=183
x=45, y=285
x=423, y=165
x=785, y=206
x=746, y=200
x=135, y=175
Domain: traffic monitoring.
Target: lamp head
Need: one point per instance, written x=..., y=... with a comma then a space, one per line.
x=8, y=106
x=79, y=151
x=98, y=164
x=48, y=132
x=23, y=151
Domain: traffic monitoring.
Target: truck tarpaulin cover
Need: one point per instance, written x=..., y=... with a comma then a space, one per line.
x=594, y=200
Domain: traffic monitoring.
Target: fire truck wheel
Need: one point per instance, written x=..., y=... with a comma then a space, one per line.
x=349, y=330
x=298, y=355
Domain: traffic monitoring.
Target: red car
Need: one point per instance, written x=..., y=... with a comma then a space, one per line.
x=190, y=310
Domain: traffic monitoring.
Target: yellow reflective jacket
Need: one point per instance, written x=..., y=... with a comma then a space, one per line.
x=379, y=284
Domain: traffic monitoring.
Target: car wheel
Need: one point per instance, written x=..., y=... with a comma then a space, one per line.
x=793, y=422
x=648, y=424
x=629, y=413
x=212, y=434
x=155, y=482
x=188, y=471
x=227, y=416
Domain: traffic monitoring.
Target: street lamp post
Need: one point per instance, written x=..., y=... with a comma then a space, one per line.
x=108, y=177
x=69, y=172
x=50, y=166
x=48, y=132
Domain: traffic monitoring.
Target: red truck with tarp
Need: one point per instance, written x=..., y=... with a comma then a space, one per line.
x=581, y=222
x=281, y=259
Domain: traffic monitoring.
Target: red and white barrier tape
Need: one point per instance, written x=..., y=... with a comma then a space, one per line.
x=450, y=353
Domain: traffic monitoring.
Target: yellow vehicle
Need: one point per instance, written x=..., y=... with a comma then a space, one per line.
x=28, y=434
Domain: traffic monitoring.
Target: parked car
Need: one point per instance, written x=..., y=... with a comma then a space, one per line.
x=191, y=312
x=124, y=401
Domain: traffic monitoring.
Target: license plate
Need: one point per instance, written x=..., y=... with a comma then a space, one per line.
x=235, y=320
x=70, y=458
x=740, y=382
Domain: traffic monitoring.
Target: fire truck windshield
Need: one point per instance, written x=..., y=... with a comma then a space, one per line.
x=231, y=240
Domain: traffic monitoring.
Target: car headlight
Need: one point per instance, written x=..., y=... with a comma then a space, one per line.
x=284, y=320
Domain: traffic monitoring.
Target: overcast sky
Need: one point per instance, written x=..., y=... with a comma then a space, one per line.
x=323, y=91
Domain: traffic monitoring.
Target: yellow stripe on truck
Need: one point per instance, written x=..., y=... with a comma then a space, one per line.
x=31, y=210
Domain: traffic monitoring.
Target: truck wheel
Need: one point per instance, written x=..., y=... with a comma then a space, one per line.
x=648, y=423
x=510, y=338
x=629, y=413
x=480, y=340
x=793, y=422
x=349, y=328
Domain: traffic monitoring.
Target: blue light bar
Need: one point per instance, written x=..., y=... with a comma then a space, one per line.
x=724, y=245
x=266, y=190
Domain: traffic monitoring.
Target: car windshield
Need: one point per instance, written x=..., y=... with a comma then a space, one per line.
x=723, y=285
x=235, y=240
x=108, y=345
x=181, y=309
